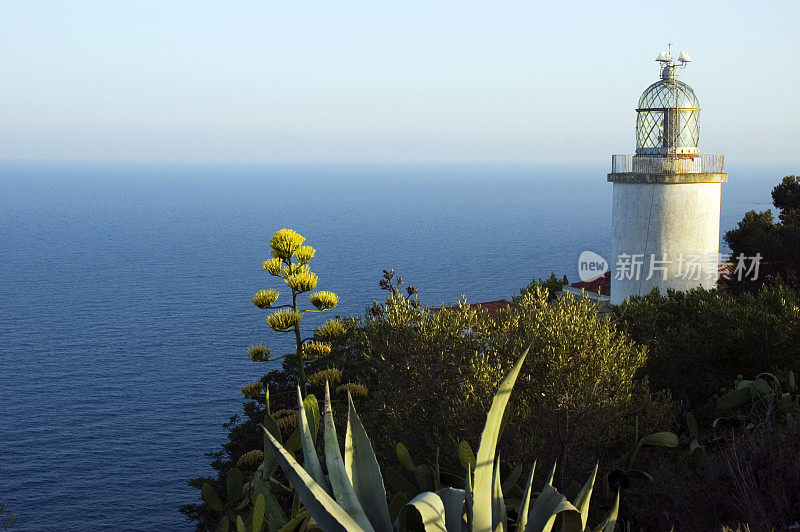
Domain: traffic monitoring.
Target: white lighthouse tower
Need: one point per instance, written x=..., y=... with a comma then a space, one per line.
x=666, y=204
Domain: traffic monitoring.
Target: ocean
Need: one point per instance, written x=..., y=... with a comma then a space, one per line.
x=125, y=312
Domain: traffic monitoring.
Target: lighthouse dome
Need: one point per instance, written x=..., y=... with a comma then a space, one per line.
x=667, y=118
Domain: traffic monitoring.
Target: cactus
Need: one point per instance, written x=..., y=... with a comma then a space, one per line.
x=355, y=500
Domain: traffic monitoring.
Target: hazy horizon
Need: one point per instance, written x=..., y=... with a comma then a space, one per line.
x=451, y=82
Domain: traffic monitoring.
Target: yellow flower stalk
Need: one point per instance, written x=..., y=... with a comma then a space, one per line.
x=259, y=353
x=303, y=280
x=356, y=390
x=304, y=254
x=273, y=266
x=316, y=350
x=330, y=330
x=265, y=298
x=253, y=390
x=250, y=459
x=324, y=300
x=285, y=243
x=331, y=375
x=284, y=320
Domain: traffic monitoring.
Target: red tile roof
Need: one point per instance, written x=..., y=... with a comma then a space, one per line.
x=601, y=284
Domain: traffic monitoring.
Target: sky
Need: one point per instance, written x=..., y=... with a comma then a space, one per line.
x=374, y=82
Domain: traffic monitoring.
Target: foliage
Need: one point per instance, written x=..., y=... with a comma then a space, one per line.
x=552, y=284
x=355, y=500
x=6, y=524
x=289, y=261
x=700, y=340
x=777, y=243
x=579, y=373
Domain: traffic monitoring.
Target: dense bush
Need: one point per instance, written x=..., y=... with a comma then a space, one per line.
x=429, y=371
x=700, y=340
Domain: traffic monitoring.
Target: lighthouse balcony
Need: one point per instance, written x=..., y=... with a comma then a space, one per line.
x=668, y=164
x=671, y=168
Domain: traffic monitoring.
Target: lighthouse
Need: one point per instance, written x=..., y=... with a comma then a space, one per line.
x=666, y=197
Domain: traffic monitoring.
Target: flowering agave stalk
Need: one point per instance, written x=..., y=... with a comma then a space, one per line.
x=353, y=497
x=290, y=259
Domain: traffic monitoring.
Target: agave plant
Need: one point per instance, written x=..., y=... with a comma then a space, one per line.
x=353, y=497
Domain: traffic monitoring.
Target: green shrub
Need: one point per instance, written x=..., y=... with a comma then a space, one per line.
x=699, y=341
x=430, y=368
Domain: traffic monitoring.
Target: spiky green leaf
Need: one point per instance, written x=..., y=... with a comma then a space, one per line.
x=423, y=512
x=546, y=508
x=326, y=512
x=310, y=458
x=364, y=472
x=525, y=503
x=337, y=473
x=484, y=467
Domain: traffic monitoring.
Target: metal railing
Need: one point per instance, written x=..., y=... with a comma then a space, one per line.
x=668, y=164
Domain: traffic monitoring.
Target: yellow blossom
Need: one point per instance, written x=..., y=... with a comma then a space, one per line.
x=331, y=375
x=273, y=266
x=285, y=242
x=284, y=320
x=323, y=299
x=356, y=390
x=329, y=330
x=265, y=298
x=303, y=280
x=316, y=350
x=259, y=353
x=253, y=390
x=305, y=254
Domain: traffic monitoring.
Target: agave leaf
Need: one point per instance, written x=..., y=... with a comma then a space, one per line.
x=484, y=467
x=512, y=478
x=610, y=522
x=453, y=501
x=662, y=439
x=311, y=407
x=546, y=508
x=582, y=502
x=468, y=499
x=258, y=513
x=404, y=457
x=466, y=456
x=240, y=524
x=234, y=485
x=337, y=473
x=398, y=501
x=425, y=510
x=364, y=472
x=499, y=518
x=211, y=498
x=691, y=424
x=321, y=506
x=525, y=503
x=310, y=458
x=552, y=474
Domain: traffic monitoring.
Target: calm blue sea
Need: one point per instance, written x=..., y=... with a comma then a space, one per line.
x=125, y=311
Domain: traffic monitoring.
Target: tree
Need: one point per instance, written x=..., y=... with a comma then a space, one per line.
x=778, y=244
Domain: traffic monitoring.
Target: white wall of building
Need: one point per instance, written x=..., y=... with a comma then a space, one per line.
x=676, y=223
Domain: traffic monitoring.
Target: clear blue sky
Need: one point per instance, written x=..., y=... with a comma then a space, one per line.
x=374, y=81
